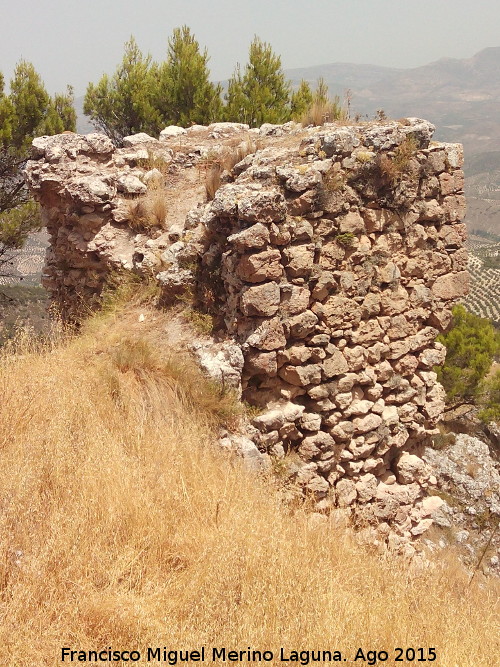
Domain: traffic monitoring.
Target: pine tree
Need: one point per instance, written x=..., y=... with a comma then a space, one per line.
x=321, y=94
x=30, y=102
x=61, y=115
x=490, y=399
x=323, y=109
x=6, y=115
x=261, y=94
x=186, y=96
x=28, y=111
x=471, y=345
x=301, y=100
x=123, y=104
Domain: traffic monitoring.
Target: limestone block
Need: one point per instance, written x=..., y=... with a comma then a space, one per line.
x=280, y=234
x=366, y=487
x=301, y=375
x=404, y=494
x=459, y=259
x=421, y=527
x=389, y=273
x=310, y=421
x=406, y=365
x=139, y=138
x=432, y=356
x=301, y=325
x=347, y=382
x=261, y=363
x=301, y=230
x=410, y=468
x=371, y=305
x=334, y=365
x=256, y=236
x=323, y=405
x=394, y=301
x=276, y=417
x=343, y=399
x=375, y=465
x=260, y=266
x=325, y=284
x=352, y=223
x=226, y=129
x=268, y=336
x=305, y=177
x=358, y=407
x=342, y=431
x=261, y=300
x=171, y=132
x=454, y=208
x=360, y=448
x=368, y=332
x=332, y=254
x=451, y=286
x=430, y=504
x=296, y=355
x=355, y=357
x=435, y=403
x=390, y=415
x=368, y=423
x=318, y=486
x=221, y=361
x=454, y=155
x=294, y=299
x=264, y=206
x=304, y=204
x=299, y=260
x=345, y=492
x=340, y=141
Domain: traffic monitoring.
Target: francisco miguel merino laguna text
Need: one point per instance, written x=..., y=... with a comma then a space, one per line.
x=221, y=654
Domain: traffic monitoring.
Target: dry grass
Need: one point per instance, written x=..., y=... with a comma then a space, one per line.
x=121, y=526
x=321, y=112
x=148, y=211
x=392, y=169
x=213, y=180
x=226, y=160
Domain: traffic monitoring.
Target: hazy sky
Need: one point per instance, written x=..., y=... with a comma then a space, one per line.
x=76, y=41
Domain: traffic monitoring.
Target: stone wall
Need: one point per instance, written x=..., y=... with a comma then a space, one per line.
x=329, y=256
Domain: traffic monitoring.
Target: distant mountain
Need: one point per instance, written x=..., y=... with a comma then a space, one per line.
x=461, y=97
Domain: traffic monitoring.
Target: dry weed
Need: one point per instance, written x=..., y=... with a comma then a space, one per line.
x=121, y=526
x=225, y=161
x=321, y=112
x=148, y=211
x=392, y=169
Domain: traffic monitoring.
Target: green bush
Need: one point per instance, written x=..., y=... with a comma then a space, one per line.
x=472, y=343
x=491, y=399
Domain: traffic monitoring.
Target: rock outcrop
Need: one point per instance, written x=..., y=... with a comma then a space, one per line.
x=330, y=256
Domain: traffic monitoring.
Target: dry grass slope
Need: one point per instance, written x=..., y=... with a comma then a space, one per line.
x=121, y=526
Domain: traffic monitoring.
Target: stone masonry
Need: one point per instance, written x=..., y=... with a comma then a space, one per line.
x=330, y=258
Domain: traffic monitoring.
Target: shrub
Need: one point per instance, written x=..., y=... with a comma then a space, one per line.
x=471, y=344
x=346, y=239
x=491, y=399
